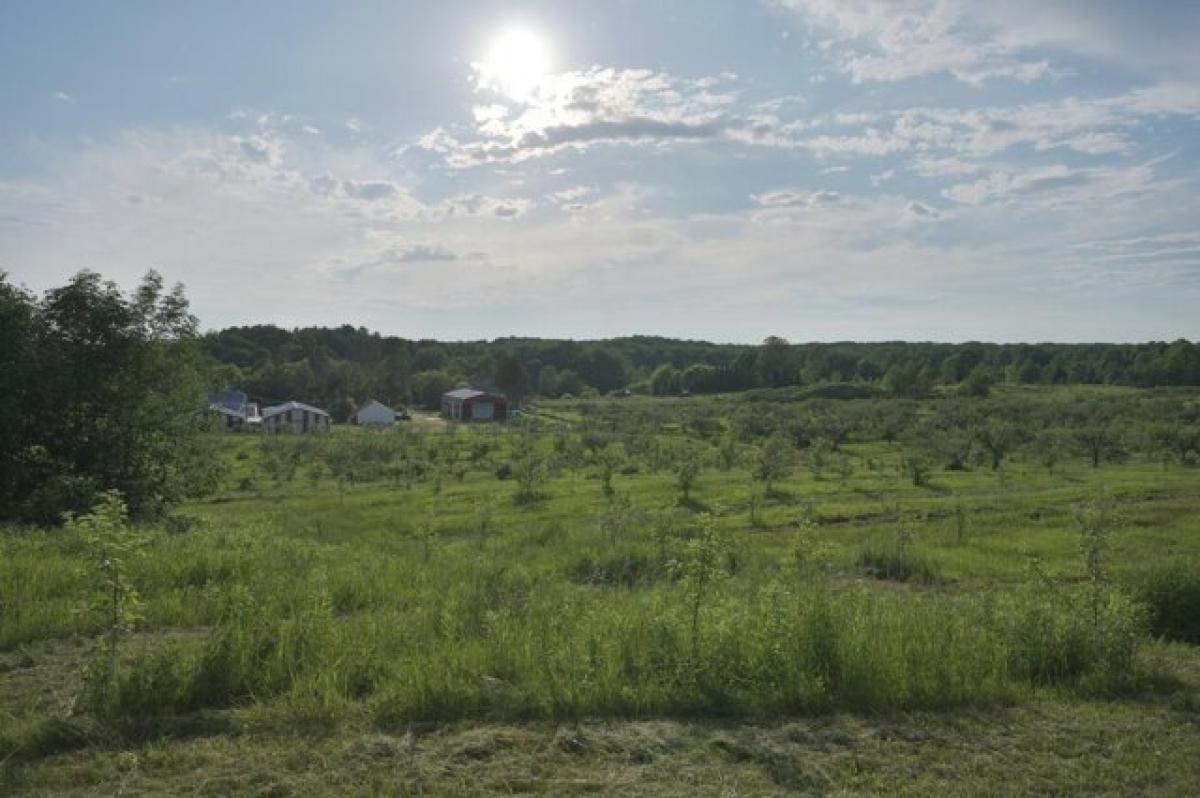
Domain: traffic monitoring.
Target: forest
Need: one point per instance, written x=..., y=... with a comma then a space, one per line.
x=337, y=368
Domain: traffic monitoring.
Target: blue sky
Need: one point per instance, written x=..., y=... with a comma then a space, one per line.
x=817, y=169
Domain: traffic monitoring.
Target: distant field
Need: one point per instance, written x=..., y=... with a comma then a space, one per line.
x=774, y=591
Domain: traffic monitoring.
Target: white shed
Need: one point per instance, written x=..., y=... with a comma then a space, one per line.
x=374, y=414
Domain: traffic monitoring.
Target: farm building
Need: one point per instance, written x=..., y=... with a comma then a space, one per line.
x=295, y=417
x=236, y=411
x=374, y=414
x=467, y=404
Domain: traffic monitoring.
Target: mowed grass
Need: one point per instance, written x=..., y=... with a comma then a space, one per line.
x=397, y=618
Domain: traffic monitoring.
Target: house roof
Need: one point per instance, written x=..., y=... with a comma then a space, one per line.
x=464, y=393
x=373, y=403
x=471, y=393
x=277, y=409
x=234, y=400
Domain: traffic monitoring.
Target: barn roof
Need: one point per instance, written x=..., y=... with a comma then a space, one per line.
x=277, y=409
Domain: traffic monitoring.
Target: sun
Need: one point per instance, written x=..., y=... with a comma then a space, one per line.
x=516, y=64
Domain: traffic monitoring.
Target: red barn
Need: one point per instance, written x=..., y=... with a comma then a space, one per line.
x=466, y=404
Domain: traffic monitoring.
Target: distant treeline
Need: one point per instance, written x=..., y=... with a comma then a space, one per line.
x=339, y=367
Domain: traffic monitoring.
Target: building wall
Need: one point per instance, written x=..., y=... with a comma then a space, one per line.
x=299, y=421
x=376, y=414
x=474, y=408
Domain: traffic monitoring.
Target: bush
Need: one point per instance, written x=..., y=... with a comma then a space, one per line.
x=897, y=563
x=628, y=569
x=1053, y=639
x=504, y=471
x=1171, y=593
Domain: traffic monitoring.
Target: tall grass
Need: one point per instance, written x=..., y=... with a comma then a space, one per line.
x=897, y=563
x=503, y=644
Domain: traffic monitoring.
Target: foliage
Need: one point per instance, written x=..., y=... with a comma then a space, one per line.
x=699, y=569
x=775, y=461
x=1171, y=593
x=897, y=561
x=111, y=545
x=331, y=366
x=103, y=391
x=687, y=471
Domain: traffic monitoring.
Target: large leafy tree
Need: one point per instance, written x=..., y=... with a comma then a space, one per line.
x=106, y=394
x=512, y=377
x=776, y=365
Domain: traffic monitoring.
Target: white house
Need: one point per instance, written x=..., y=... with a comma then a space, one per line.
x=374, y=414
x=295, y=417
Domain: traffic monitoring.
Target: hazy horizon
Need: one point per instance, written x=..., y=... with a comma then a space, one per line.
x=904, y=170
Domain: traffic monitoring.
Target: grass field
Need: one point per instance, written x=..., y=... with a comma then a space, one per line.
x=566, y=605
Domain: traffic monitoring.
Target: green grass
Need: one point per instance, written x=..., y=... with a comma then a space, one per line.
x=355, y=610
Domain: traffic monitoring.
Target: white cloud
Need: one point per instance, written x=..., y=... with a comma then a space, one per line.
x=578, y=110
x=1059, y=186
x=419, y=253
x=370, y=190
x=890, y=40
x=260, y=150
x=1155, y=37
x=62, y=96
x=481, y=205
x=793, y=198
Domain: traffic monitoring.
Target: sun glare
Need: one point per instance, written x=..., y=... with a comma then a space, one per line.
x=516, y=63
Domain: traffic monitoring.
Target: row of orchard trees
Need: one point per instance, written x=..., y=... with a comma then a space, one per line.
x=955, y=432
x=101, y=392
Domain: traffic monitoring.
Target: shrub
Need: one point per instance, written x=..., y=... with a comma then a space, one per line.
x=625, y=569
x=1171, y=594
x=1052, y=640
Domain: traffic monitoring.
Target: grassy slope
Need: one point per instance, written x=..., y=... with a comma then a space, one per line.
x=361, y=541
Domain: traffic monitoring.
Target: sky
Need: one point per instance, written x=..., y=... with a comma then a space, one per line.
x=721, y=169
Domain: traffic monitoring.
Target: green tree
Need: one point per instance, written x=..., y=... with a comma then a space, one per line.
x=906, y=380
x=1098, y=442
x=428, y=387
x=110, y=391
x=775, y=461
x=699, y=570
x=687, y=471
x=997, y=438
x=665, y=381
x=570, y=383
x=512, y=377
x=547, y=383
x=775, y=364
x=977, y=383
x=112, y=544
